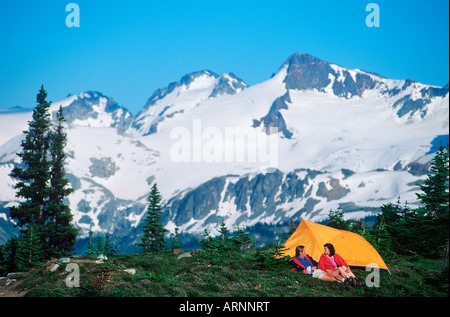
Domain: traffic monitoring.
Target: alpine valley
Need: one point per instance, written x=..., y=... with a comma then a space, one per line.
x=335, y=137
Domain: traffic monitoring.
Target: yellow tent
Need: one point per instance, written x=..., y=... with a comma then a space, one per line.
x=355, y=250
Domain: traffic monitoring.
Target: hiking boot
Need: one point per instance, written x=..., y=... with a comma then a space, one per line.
x=351, y=281
x=358, y=282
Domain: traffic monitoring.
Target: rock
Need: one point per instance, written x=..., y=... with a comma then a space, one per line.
x=64, y=260
x=177, y=251
x=184, y=255
x=308, y=72
x=227, y=84
x=336, y=191
x=9, y=281
x=130, y=271
x=274, y=118
x=92, y=105
x=103, y=168
x=54, y=267
x=102, y=257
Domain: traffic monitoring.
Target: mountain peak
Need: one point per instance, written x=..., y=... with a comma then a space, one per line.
x=191, y=90
x=93, y=108
x=307, y=72
x=302, y=58
x=189, y=78
x=228, y=84
x=186, y=80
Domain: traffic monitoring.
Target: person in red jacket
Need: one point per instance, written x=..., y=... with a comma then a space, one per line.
x=335, y=265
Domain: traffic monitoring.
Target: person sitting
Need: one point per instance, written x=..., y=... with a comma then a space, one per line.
x=307, y=265
x=335, y=265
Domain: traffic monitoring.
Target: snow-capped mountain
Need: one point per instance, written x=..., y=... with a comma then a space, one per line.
x=178, y=97
x=314, y=137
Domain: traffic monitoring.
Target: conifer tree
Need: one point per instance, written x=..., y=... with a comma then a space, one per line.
x=60, y=230
x=292, y=228
x=386, y=230
x=153, y=239
x=223, y=230
x=336, y=220
x=175, y=241
x=91, y=248
x=28, y=254
x=100, y=246
x=107, y=249
x=435, y=196
x=42, y=184
x=8, y=252
x=3, y=259
x=241, y=239
x=34, y=173
x=433, y=217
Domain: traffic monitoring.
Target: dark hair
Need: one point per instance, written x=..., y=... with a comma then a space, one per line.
x=331, y=248
x=298, y=250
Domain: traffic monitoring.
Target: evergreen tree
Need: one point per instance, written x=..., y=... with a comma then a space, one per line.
x=34, y=173
x=107, y=248
x=100, y=246
x=175, y=241
x=292, y=228
x=397, y=229
x=223, y=230
x=241, y=239
x=435, y=196
x=91, y=248
x=433, y=217
x=386, y=227
x=3, y=259
x=336, y=220
x=8, y=252
x=60, y=230
x=207, y=242
x=28, y=254
x=115, y=248
x=153, y=239
x=383, y=230
x=42, y=185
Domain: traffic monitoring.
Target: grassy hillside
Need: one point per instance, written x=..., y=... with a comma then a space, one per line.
x=247, y=273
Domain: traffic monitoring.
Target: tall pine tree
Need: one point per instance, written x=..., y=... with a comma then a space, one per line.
x=34, y=173
x=60, y=230
x=153, y=239
x=435, y=196
x=434, y=216
x=42, y=185
x=91, y=247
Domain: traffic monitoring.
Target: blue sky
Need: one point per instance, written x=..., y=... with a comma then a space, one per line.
x=128, y=49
